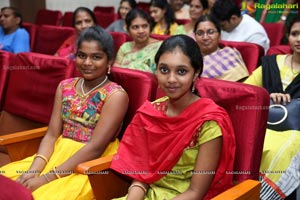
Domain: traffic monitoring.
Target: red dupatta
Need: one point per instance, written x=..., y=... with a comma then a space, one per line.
x=154, y=142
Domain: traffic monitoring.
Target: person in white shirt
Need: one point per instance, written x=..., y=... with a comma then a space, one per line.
x=237, y=27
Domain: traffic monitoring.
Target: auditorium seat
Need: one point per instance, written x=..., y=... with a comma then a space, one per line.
x=50, y=38
x=67, y=19
x=275, y=32
x=279, y=49
x=48, y=17
x=31, y=29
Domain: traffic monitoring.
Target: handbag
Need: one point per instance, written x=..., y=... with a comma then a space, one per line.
x=284, y=117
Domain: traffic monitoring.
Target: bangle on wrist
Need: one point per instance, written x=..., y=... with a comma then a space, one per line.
x=42, y=157
x=139, y=186
x=46, y=177
x=56, y=174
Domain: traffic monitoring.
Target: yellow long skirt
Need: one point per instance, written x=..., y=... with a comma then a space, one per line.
x=75, y=186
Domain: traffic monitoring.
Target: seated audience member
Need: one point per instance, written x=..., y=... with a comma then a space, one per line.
x=196, y=10
x=280, y=165
x=124, y=8
x=224, y=63
x=173, y=155
x=237, y=27
x=82, y=18
x=13, y=38
x=163, y=18
x=139, y=53
x=180, y=9
x=86, y=118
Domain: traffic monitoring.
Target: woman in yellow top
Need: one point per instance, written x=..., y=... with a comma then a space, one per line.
x=280, y=166
x=163, y=17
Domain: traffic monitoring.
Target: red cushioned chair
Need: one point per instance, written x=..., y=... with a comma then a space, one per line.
x=30, y=94
x=106, y=9
x=50, y=38
x=250, y=52
x=275, y=32
x=159, y=37
x=247, y=107
x=182, y=21
x=119, y=39
x=6, y=61
x=279, y=49
x=31, y=29
x=145, y=6
x=48, y=17
x=67, y=19
x=104, y=19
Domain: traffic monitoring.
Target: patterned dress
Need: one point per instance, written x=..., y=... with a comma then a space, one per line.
x=80, y=115
x=139, y=60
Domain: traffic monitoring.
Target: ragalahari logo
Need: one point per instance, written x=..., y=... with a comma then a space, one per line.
x=247, y=7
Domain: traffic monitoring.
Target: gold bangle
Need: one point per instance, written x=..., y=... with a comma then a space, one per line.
x=138, y=185
x=46, y=177
x=42, y=157
x=56, y=174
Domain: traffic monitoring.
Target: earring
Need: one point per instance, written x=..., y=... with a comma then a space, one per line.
x=108, y=70
x=193, y=89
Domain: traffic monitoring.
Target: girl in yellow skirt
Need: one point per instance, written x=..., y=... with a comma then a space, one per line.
x=81, y=128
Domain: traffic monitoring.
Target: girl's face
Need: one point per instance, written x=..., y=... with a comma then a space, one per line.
x=157, y=14
x=196, y=9
x=82, y=21
x=175, y=74
x=92, y=61
x=294, y=37
x=124, y=9
x=207, y=37
x=139, y=30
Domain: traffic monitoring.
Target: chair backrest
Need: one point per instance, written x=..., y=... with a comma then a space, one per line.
x=6, y=61
x=139, y=85
x=50, y=38
x=105, y=9
x=275, y=32
x=145, y=6
x=48, y=17
x=182, y=21
x=119, y=39
x=104, y=19
x=31, y=29
x=250, y=52
x=31, y=89
x=67, y=19
x=159, y=37
x=279, y=49
x=247, y=107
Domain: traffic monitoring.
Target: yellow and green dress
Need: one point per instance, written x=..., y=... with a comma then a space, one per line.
x=80, y=115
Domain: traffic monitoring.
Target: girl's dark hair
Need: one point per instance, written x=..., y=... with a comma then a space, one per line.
x=132, y=3
x=207, y=18
x=169, y=14
x=187, y=45
x=104, y=39
x=294, y=20
x=135, y=13
x=83, y=9
x=204, y=4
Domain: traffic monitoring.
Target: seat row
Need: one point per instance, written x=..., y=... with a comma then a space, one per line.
x=27, y=97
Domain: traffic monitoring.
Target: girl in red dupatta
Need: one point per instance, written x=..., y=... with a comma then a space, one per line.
x=180, y=146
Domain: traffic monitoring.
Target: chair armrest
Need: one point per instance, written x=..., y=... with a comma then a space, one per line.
x=106, y=183
x=94, y=166
x=247, y=190
x=22, y=144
